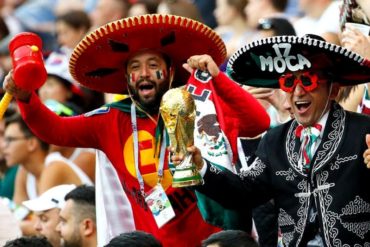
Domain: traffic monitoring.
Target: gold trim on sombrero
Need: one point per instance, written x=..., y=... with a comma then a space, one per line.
x=155, y=19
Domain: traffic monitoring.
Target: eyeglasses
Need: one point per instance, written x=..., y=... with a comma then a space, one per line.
x=10, y=139
x=308, y=81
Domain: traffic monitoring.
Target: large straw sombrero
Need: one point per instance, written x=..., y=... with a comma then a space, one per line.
x=99, y=60
x=262, y=62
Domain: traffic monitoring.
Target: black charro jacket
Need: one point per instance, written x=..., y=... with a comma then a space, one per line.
x=339, y=183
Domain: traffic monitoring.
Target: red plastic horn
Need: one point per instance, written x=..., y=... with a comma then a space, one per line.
x=26, y=52
x=29, y=72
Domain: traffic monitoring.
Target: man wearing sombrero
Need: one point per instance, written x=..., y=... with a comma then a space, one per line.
x=142, y=56
x=311, y=166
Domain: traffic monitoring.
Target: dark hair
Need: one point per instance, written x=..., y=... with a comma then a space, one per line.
x=183, y=8
x=280, y=5
x=134, y=239
x=28, y=242
x=150, y=5
x=84, y=198
x=124, y=5
x=239, y=5
x=280, y=26
x=77, y=19
x=230, y=238
x=4, y=30
x=16, y=118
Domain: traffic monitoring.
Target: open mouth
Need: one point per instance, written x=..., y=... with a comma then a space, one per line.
x=302, y=105
x=145, y=87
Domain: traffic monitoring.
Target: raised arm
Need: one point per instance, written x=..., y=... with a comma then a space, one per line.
x=76, y=131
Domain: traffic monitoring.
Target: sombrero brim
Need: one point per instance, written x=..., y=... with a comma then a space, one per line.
x=245, y=66
x=99, y=60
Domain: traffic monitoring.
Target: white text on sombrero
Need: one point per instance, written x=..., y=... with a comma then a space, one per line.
x=284, y=61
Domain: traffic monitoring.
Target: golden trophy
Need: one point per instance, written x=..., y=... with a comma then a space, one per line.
x=178, y=114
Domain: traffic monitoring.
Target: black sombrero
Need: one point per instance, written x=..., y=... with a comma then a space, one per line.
x=98, y=61
x=262, y=62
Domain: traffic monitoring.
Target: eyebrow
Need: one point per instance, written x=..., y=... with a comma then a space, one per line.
x=155, y=58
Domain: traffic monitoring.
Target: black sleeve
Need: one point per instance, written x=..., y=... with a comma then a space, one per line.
x=237, y=191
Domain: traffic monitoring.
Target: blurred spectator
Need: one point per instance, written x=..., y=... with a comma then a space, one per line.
x=142, y=7
x=9, y=226
x=134, y=239
x=292, y=9
x=356, y=11
x=7, y=14
x=232, y=25
x=321, y=17
x=356, y=98
x=206, y=9
x=257, y=9
x=4, y=32
x=22, y=147
x=77, y=225
x=107, y=11
x=59, y=84
x=275, y=26
x=64, y=6
x=4, y=29
x=180, y=8
x=7, y=174
x=229, y=238
x=28, y=242
x=7, y=179
x=47, y=207
x=39, y=16
x=71, y=27
x=60, y=167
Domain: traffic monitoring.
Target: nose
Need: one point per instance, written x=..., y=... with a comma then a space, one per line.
x=3, y=144
x=37, y=225
x=144, y=72
x=57, y=228
x=286, y=105
x=299, y=90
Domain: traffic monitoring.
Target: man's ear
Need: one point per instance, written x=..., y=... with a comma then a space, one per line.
x=88, y=227
x=334, y=91
x=32, y=143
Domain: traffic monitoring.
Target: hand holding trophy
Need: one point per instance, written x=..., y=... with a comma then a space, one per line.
x=178, y=113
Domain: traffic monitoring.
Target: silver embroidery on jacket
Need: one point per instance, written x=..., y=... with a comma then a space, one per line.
x=334, y=138
x=285, y=220
x=256, y=169
x=357, y=206
x=339, y=160
x=289, y=175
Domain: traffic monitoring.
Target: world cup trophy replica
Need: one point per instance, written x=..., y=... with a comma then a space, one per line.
x=178, y=113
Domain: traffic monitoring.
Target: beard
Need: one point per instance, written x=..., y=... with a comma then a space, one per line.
x=74, y=241
x=151, y=105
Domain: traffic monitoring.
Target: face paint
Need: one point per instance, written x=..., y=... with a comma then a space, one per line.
x=160, y=74
x=132, y=78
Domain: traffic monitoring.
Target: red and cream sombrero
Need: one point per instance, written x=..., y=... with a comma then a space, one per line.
x=99, y=60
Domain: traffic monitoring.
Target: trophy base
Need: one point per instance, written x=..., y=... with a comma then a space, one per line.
x=185, y=177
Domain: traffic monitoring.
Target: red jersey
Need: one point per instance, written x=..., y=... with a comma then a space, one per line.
x=110, y=130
